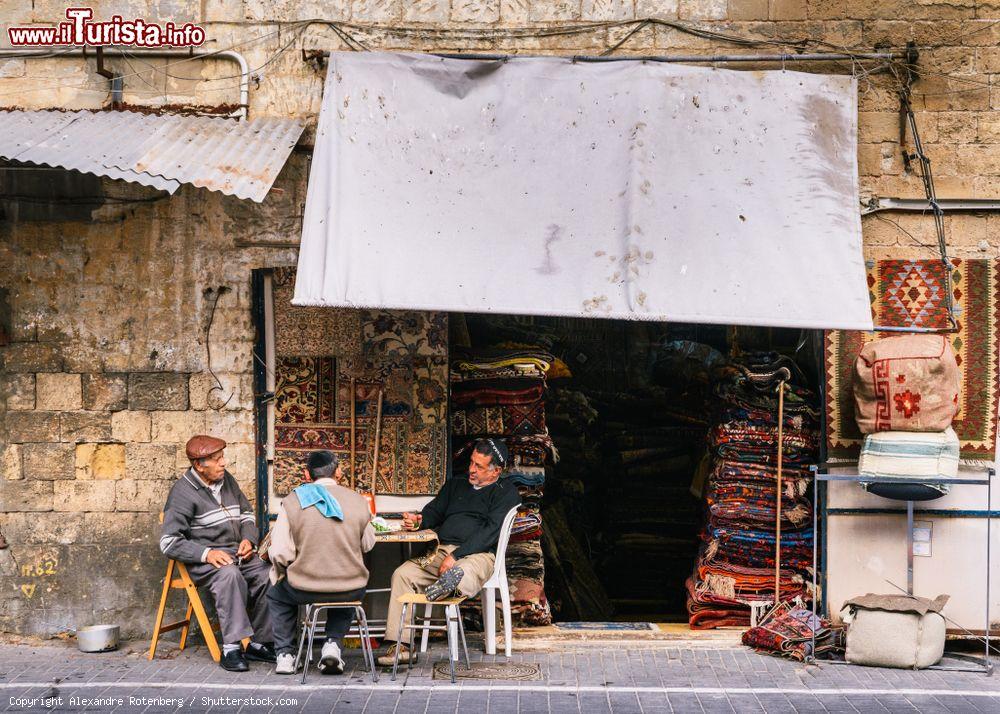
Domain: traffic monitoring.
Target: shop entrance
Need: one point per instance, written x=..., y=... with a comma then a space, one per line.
x=628, y=407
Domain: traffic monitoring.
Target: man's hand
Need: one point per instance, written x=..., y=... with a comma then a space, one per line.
x=411, y=521
x=447, y=564
x=218, y=558
x=245, y=549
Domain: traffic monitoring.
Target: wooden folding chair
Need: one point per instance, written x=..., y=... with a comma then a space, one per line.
x=178, y=578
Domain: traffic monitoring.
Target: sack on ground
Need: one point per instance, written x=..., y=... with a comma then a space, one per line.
x=894, y=631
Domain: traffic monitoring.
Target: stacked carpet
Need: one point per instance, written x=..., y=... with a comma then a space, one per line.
x=501, y=393
x=735, y=570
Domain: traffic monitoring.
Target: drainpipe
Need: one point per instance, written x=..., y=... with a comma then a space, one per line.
x=228, y=55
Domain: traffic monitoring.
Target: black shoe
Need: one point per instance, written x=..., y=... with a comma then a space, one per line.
x=445, y=585
x=234, y=662
x=261, y=652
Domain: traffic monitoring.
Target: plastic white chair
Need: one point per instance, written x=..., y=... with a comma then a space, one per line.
x=497, y=581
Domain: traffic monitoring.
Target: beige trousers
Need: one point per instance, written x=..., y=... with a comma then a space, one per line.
x=417, y=573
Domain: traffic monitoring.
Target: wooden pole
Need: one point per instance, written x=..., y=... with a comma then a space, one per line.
x=777, y=540
x=354, y=424
x=378, y=440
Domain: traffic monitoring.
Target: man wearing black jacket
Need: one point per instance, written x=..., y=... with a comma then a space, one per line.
x=467, y=516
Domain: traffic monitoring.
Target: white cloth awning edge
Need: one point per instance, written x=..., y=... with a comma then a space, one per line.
x=382, y=238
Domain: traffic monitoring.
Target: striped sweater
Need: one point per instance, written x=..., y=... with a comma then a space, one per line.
x=194, y=522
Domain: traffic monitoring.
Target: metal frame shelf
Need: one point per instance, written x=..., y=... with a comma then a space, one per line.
x=821, y=476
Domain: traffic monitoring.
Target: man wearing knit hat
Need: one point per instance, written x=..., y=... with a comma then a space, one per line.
x=317, y=553
x=467, y=516
x=209, y=525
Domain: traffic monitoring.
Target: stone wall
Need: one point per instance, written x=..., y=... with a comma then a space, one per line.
x=107, y=372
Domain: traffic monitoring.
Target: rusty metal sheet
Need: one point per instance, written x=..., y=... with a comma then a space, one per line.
x=163, y=151
x=629, y=190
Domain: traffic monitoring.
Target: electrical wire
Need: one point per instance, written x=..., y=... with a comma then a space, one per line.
x=184, y=60
x=341, y=29
x=208, y=349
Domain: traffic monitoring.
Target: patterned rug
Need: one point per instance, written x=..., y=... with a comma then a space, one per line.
x=911, y=293
x=608, y=626
x=320, y=351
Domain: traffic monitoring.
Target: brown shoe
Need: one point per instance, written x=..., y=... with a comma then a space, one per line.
x=386, y=660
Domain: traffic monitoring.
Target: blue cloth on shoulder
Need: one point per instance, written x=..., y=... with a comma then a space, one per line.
x=312, y=494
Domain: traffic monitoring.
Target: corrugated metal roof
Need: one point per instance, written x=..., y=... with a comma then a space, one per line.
x=163, y=151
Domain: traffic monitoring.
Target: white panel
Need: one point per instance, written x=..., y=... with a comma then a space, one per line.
x=630, y=189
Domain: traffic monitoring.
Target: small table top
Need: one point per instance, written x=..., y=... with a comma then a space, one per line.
x=422, y=536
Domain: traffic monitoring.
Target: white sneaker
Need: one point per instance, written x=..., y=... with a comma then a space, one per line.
x=329, y=659
x=286, y=664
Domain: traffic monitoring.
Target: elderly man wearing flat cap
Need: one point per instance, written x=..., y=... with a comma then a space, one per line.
x=317, y=553
x=209, y=525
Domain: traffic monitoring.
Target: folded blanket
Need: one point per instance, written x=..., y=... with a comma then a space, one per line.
x=790, y=634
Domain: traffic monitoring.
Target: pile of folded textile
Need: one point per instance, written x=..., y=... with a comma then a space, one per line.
x=500, y=392
x=735, y=567
x=789, y=633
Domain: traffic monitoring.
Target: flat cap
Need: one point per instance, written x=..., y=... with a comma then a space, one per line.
x=200, y=446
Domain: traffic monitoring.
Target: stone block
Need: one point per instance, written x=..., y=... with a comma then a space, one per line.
x=44, y=528
x=48, y=462
x=176, y=427
x=105, y=392
x=83, y=496
x=515, y=12
x=158, y=390
x=743, y=10
x=375, y=10
x=10, y=461
x=234, y=427
x=151, y=461
x=553, y=10
x=426, y=11
x=478, y=12
x=954, y=128
x=206, y=393
x=25, y=496
x=85, y=426
x=241, y=461
x=876, y=127
x=57, y=391
x=10, y=68
x=19, y=390
x=23, y=427
x=124, y=527
x=136, y=495
x=100, y=461
x=32, y=357
x=607, y=10
x=703, y=9
x=787, y=10
x=130, y=426
x=656, y=9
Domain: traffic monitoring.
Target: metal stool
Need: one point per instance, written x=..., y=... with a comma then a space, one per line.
x=310, y=622
x=453, y=625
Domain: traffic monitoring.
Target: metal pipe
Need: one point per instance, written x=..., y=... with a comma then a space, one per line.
x=784, y=58
x=921, y=205
x=228, y=55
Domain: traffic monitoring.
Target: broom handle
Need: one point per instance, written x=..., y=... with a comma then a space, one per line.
x=777, y=540
x=354, y=424
x=378, y=440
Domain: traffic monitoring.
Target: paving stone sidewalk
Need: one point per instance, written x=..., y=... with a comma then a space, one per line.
x=585, y=679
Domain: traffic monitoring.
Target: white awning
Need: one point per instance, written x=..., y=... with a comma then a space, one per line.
x=627, y=189
x=238, y=158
